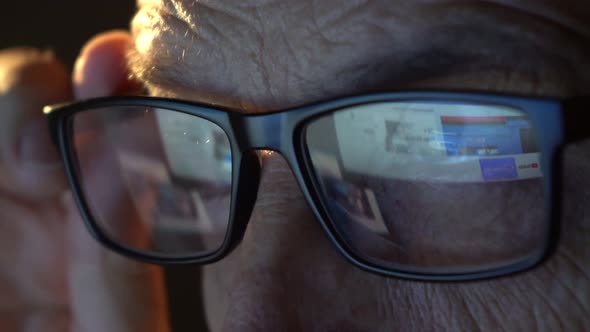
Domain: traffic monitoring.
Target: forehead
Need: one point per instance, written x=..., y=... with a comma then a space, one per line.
x=275, y=54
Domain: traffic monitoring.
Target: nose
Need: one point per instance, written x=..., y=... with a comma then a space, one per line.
x=284, y=267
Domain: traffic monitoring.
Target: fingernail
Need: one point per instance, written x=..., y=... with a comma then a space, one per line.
x=36, y=146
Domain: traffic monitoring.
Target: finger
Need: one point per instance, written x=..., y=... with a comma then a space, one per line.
x=29, y=162
x=108, y=292
x=101, y=69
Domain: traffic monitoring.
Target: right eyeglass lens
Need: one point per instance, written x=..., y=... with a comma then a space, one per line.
x=432, y=187
x=156, y=181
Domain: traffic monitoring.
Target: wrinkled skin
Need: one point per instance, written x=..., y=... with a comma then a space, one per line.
x=264, y=55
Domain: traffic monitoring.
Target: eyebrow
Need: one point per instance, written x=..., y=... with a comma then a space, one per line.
x=482, y=48
x=479, y=42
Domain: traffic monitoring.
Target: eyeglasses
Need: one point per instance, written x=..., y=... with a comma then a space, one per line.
x=418, y=185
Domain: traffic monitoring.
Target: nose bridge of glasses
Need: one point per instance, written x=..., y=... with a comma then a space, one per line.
x=260, y=131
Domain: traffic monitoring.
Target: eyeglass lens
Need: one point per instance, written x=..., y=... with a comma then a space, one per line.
x=432, y=186
x=157, y=181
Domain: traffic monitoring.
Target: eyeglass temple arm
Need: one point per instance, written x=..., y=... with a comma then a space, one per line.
x=576, y=119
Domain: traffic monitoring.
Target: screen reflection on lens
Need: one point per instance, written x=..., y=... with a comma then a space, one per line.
x=432, y=186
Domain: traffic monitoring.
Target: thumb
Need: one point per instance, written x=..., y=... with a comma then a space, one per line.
x=101, y=69
x=29, y=162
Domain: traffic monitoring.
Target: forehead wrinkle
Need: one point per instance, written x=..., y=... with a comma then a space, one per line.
x=180, y=51
x=159, y=68
x=193, y=39
x=571, y=14
x=525, y=39
x=210, y=72
x=510, y=12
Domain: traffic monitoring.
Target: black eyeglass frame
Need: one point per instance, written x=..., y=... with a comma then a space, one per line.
x=561, y=121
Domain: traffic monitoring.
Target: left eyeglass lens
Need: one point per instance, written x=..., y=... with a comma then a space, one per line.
x=156, y=181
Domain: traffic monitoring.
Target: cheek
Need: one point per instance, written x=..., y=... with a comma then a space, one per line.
x=286, y=274
x=470, y=223
x=576, y=196
x=216, y=281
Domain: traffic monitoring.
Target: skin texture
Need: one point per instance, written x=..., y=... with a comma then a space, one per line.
x=264, y=55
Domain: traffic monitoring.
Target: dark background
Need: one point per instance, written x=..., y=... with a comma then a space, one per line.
x=64, y=26
x=60, y=25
